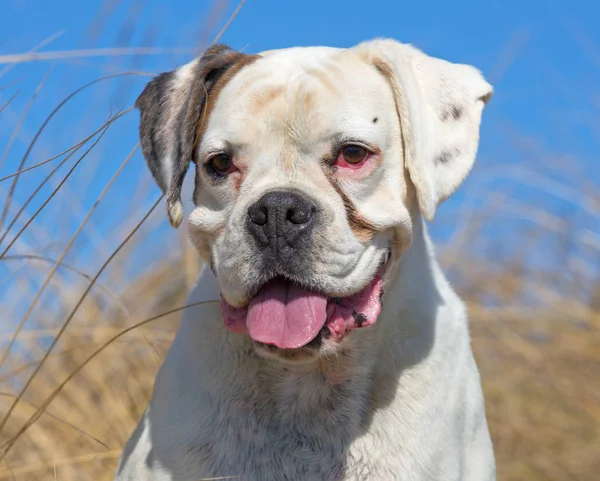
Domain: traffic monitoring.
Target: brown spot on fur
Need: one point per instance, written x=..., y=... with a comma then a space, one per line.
x=323, y=77
x=362, y=228
x=308, y=101
x=289, y=150
x=386, y=71
x=264, y=99
x=237, y=62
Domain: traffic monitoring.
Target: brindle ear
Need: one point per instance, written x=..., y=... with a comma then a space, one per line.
x=173, y=106
x=439, y=104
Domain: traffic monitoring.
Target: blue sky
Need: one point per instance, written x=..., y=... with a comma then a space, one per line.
x=542, y=56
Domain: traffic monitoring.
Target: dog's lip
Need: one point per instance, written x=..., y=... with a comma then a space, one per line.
x=255, y=289
x=342, y=313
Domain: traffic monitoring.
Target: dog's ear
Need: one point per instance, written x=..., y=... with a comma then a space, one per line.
x=439, y=105
x=174, y=107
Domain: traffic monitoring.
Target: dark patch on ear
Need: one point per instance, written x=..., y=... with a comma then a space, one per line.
x=453, y=111
x=445, y=156
x=151, y=102
x=172, y=114
x=375, y=120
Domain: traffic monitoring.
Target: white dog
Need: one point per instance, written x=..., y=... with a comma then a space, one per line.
x=338, y=350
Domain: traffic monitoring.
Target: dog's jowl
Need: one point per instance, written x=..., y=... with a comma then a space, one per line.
x=335, y=349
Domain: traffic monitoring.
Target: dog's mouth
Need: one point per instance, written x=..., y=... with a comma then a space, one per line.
x=289, y=316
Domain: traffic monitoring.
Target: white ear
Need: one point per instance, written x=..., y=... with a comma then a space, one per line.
x=439, y=104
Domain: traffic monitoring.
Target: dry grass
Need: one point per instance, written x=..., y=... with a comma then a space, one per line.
x=68, y=288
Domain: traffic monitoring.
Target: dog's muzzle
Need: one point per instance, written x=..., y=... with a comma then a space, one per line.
x=286, y=308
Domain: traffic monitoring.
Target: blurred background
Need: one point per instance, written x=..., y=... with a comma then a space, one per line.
x=85, y=257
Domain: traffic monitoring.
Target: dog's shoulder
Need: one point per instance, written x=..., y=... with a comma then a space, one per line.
x=136, y=461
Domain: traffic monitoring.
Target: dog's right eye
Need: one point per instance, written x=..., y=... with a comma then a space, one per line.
x=221, y=164
x=354, y=154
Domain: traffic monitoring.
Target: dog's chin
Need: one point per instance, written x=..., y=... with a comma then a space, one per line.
x=321, y=346
x=294, y=323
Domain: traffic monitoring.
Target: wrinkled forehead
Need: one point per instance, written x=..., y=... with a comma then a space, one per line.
x=316, y=90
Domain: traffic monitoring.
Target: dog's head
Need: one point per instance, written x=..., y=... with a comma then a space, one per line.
x=311, y=165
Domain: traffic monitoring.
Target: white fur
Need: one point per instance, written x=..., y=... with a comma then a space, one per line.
x=399, y=400
x=427, y=89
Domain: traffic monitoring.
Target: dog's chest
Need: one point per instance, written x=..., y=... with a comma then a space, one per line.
x=292, y=431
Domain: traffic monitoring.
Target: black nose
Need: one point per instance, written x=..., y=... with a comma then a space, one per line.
x=280, y=220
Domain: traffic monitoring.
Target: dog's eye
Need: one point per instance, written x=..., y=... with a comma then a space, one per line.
x=221, y=163
x=354, y=154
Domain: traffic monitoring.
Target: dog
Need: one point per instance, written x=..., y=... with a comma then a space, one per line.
x=335, y=349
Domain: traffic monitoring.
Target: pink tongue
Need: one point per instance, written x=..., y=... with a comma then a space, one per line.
x=286, y=315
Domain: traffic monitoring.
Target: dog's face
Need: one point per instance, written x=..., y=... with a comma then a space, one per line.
x=311, y=165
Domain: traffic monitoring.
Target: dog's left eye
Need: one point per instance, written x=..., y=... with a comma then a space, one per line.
x=221, y=163
x=353, y=154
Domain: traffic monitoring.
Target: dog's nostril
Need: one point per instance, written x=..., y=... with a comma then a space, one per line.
x=258, y=215
x=299, y=215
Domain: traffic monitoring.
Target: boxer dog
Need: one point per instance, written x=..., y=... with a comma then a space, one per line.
x=336, y=349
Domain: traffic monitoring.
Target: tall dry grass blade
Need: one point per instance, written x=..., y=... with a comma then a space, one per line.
x=583, y=38
x=60, y=420
x=59, y=388
x=91, y=52
x=12, y=474
x=212, y=18
x=9, y=276
x=34, y=193
x=54, y=192
x=509, y=55
x=226, y=26
x=99, y=21
x=77, y=145
x=71, y=268
x=83, y=458
x=11, y=83
x=9, y=101
x=28, y=365
x=74, y=310
x=12, y=139
x=65, y=252
x=520, y=175
x=39, y=132
x=42, y=44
